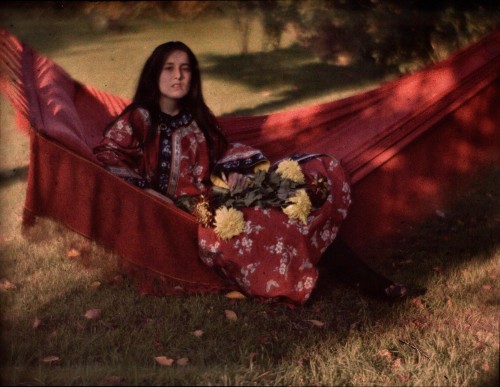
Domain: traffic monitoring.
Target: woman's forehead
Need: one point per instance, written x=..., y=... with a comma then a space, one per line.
x=177, y=56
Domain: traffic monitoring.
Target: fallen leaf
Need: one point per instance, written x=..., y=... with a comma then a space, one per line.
x=36, y=323
x=316, y=323
x=487, y=287
x=51, y=359
x=164, y=361
x=396, y=364
x=198, y=333
x=386, y=354
x=417, y=302
x=440, y=213
x=230, y=315
x=73, y=253
x=479, y=345
x=6, y=285
x=235, y=295
x=485, y=336
x=95, y=284
x=485, y=367
x=183, y=361
x=92, y=314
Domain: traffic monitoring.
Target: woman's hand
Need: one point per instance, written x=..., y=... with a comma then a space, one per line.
x=238, y=182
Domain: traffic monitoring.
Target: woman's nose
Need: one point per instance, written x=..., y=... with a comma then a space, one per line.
x=178, y=74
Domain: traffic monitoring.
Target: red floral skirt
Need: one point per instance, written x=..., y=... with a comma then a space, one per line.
x=275, y=256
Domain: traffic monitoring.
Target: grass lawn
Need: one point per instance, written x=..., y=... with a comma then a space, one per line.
x=69, y=318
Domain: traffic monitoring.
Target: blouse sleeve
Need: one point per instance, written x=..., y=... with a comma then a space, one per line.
x=120, y=150
x=238, y=158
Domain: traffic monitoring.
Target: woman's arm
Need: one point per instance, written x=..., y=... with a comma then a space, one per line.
x=120, y=149
x=237, y=182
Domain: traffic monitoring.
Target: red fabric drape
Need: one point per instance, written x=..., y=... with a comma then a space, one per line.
x=404, y=145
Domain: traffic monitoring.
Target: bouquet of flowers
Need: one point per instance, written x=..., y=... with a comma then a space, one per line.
x=283, y=186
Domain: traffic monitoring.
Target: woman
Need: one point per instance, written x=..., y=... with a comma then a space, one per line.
x=262, y=226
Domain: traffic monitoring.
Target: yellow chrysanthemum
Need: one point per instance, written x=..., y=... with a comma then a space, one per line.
x=229, y=222
x=202, y=213
x=300, y=206
x=290, y=169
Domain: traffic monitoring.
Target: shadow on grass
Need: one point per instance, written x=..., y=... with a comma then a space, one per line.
x=466, y=233
x=10, y=176
x=292, y=75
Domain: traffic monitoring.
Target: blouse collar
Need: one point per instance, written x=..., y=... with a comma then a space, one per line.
x=183, y=118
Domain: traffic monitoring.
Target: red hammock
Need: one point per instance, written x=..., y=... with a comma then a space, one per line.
x=406, y=145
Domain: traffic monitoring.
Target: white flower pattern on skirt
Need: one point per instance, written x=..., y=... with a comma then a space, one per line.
x=275, y=256
x=246, y=271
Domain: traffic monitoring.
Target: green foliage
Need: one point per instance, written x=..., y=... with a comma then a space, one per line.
x=267, y=190
x=386, y=32
x=390, y=32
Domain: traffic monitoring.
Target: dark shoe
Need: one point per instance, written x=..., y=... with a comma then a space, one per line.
x=395, y=292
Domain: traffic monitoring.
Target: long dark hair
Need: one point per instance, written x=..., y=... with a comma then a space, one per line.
x=147, y=95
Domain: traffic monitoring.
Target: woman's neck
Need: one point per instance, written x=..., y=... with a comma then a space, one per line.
x=170, y=106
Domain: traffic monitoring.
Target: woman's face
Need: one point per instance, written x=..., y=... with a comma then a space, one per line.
x=175, y=77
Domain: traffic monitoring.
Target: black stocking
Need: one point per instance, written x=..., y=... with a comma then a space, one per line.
x=351, y=270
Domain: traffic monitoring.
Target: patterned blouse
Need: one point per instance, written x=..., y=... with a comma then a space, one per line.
x=176, y=161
